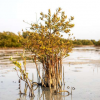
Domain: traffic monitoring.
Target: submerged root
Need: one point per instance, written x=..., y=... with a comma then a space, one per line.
x=56, y=92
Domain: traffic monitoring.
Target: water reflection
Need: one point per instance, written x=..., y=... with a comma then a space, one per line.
x=47, y=94
x=96, y=68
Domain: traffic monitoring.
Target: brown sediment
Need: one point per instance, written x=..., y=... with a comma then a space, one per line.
x=84, y=45
x=10, y=48
x=85, y=62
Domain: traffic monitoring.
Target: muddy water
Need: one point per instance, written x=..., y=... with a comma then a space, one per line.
x=82, y=76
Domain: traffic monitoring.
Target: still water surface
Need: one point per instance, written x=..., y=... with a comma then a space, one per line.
x=82, y=71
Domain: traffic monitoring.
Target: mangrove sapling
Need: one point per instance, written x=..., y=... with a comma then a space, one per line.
x=23, y=75
x=48, y=46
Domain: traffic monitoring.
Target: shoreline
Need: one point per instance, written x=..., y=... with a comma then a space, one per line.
x=20, y=48
x=5, y=48
x=11, y=49
x=85, y=46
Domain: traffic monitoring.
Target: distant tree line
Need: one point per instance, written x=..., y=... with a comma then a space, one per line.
x=86, y=42
x=10, y=39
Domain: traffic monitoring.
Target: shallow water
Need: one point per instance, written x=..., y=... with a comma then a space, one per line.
x=82, y=71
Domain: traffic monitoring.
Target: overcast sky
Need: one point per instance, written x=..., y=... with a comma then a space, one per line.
x=85, y=12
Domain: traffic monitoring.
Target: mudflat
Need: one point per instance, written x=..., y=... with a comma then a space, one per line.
x=81, y=68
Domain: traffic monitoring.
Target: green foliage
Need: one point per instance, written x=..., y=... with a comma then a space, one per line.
x=87, y=42
x=97, y=43
x=45, y=38
x=93, y=41
x=25, y=34
x=83, y=42
x=9, y=39
x=77, y=42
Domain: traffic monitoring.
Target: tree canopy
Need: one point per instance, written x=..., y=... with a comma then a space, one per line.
x=48, y=46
